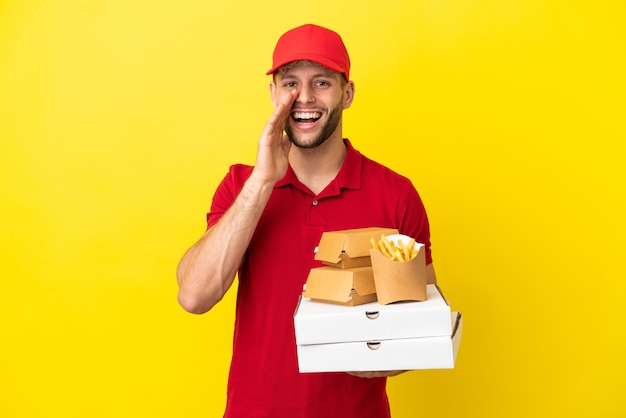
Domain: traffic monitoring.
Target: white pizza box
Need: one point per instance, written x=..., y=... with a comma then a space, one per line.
x=383, y=355
x=320, y=323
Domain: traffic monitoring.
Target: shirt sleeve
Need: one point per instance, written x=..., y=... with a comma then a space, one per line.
x=227, y=191
x=414, y=220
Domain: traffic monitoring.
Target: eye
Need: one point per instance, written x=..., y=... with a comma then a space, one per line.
x=322, y=83
x=289, y=84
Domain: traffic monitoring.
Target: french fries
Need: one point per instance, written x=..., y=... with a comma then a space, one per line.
x=395, y=251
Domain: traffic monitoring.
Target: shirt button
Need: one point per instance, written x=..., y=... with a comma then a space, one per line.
x=315, y=202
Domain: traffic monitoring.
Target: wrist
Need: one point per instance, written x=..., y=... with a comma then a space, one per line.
x=260, y=180
x=258, y=187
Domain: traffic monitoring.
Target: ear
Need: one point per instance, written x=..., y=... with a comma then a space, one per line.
x=348, y=94
x=273, y=94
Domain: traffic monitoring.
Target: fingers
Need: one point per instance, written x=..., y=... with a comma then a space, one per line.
x=370, y=375
x=288, y=99
x=278, y=120
x=286, y=144
x=273, y=152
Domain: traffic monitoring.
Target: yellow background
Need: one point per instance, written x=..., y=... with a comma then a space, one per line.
x=118, y=119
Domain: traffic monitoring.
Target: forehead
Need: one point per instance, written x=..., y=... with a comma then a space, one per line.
x=305, y=68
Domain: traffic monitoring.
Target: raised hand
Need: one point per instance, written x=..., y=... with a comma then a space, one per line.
x=273, y=152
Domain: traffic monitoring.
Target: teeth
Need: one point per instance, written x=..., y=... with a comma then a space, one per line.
x=307, y=115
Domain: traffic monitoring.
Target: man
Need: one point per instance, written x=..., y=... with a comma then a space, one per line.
x=266, y=220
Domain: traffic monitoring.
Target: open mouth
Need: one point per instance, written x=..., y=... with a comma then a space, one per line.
x=306, y=117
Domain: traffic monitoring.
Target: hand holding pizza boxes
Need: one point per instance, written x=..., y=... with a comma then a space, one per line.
x=370, y=307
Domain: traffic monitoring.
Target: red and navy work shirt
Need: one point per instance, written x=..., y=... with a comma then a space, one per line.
x=264, y=379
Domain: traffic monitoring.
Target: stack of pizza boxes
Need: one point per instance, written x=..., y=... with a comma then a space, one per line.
x=365, y=310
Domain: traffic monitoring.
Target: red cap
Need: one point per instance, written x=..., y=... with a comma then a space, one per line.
x=313, y=43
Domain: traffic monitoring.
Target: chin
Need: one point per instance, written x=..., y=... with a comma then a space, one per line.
x=305, y=141
x=308, y=143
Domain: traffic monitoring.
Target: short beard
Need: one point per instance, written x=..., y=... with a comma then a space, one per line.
x=329, y=127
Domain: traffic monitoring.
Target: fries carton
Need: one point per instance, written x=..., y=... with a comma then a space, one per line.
x=349, y=248
x=396, y=280
x=349, y=286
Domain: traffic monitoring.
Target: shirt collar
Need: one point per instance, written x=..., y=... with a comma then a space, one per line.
x=349, y=176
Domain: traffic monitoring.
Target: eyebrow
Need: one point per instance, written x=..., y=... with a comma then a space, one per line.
x=325, y=74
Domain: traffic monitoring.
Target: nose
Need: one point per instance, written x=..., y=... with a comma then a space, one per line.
x=305, y=95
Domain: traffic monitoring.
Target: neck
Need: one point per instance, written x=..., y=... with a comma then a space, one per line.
x=317, y=167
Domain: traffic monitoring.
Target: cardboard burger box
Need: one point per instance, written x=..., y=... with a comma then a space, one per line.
x=350, y=287
x=382, y=355
x=350, y=247
x=347, y=277
x=371, y=337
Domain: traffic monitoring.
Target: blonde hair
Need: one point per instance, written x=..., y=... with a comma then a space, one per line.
x=294, y=64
